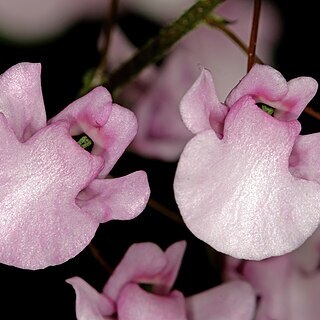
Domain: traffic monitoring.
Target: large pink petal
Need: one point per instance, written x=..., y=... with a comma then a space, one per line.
x=110, y=126
x=21, y=99
x=40, y=180
x=240, y=197
x=121, y=198
x=90, y=305
x=136, y=304
x=233, y=301
x=200, y=107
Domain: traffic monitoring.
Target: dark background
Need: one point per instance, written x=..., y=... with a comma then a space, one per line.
x=43, y=294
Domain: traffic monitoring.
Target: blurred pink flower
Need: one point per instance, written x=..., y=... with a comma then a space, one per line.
x=233, y=184
x=53, y=192
x=30, y=20
x=288, y=286
x=124, y=298
x=161, y=133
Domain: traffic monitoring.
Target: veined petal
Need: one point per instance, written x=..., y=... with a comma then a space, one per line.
x=21, y=99
x=234, y=300
x=120, y=198
x=240, y=198
x=136, y=304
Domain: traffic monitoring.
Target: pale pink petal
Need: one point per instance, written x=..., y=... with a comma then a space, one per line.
x=304, y=159
x=90, y=304
x=300, y=92
x=264, y=83
x=240, y=197
x=110, y=126
x=136, y=304
x=267, y=85
x=120, y=198
x=40, y=180
x=168, y=276
x=21, y=99
x=234, y=300
x=200, y=107
x=141, y=263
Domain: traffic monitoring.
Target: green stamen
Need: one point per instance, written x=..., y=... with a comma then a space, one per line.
x=269, y=110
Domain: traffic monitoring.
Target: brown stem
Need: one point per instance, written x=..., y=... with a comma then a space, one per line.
x=311, y=112
x=254, y=34
x=96, y=254
x=165, y=211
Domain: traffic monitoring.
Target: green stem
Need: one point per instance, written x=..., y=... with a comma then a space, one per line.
x=157, y=47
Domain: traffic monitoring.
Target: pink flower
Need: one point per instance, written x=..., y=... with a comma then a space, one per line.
x=233, y=184
x=161, y=133
x=53, y=194
x=288, y=286
x=124, y=298
x=30, y=20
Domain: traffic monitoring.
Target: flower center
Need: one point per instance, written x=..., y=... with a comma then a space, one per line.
x=84, y=141
x=269, y=110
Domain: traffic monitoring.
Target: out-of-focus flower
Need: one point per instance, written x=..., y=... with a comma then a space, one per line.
x=161, y=133
x=146, y=265
x=233, y=184
x=288, y=287
x=33, y=20
x=53, y=193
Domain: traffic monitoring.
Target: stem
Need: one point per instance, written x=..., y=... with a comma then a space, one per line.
x=98, y=76
x=311, y=112
x=96, y=254
x=212, y=21
x=165, y=211
x=157, y=47
x=254, y=34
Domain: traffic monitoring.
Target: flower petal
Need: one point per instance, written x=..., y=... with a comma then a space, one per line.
x=39, y=183
x=234, y=300
x=136, y=304
x=121, y=198
x=90, y=305
x=267, y=85
x=130, y=269
x=240, y=198
x=110, y=126
x=200, y=107
x=21, y=99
